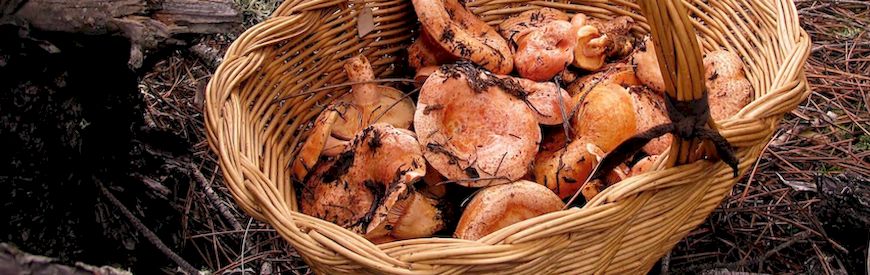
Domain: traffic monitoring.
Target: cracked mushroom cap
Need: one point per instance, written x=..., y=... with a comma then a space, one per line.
x=369, y=103
x=464, y=35
x=729, y=90
x=605, y=116
x=651, y=111
x=474, y=128
x=497, y=207
x=564, y=170
x=368, y=175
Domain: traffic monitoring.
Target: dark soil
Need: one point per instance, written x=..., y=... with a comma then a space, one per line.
x=70, y=118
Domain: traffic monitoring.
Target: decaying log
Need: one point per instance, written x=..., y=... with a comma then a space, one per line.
x=147, y=23
x=14, y=261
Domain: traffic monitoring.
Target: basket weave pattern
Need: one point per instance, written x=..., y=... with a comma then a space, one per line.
x=625, y=229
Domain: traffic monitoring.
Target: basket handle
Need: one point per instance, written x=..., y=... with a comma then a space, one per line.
x=681, y=62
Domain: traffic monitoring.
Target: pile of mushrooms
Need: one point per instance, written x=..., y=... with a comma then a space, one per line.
x=506, y=123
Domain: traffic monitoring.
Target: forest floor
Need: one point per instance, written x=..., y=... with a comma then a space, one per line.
x=776, y=219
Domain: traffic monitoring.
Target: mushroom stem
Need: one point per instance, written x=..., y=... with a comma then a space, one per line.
x=359, y=70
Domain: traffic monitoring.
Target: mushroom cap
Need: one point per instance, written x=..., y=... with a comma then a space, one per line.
x=544, y=98
x=651, y=111
x=459, y=142
x=345, y=205
x=590, y=190
x=616, y=73
x=724, y=64
x=369, y=103
x=422, y=74
x=497, y=207
x=605, y=117
x=647, y=67
x=464, y=35
x=371, y=174
x=515, y=27
x=412, y=216
x=424, y=52
x=314, y=145
x=728, y=97
x=544, y=52
x=433, y=184
x=643, y=165
x=729, y=90
x=563, y=171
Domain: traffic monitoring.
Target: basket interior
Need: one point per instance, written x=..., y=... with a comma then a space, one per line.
x=277, y=78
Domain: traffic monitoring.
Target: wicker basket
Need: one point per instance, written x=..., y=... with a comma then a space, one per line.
x=625, y=229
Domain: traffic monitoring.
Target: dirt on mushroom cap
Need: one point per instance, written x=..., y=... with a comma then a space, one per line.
x=514, y=28
x=647, y=67
x=497, y=207
x=564, y=170
x=471, y=128
x=651, y=112
x=728, y=89
x=461, y=33
x=546, y=51
x=543, y=98
x=382, y=160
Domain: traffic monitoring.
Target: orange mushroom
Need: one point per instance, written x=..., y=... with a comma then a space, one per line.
x=650, y=109
x=405, y=214
x=543, y=98
x=366, y=181
x=464, y=35
x=423, y=74
x=563, y=171
x=605, y=116
x=497, y=207
x=643, y=165
x=424, y=52
x=619, y=41
x=369, y=103
x=475, y=127
x=646, y=66
x=319, y=141
x=617, y=73
x=590, y=51
x=727, y=86
x=546, y=51
x=433, y=183
x=516, y=27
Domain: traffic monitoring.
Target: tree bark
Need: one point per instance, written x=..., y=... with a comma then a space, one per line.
x=147, y=23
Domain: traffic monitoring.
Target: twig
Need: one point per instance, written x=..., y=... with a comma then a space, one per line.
x=213, y=197
x=187, y=267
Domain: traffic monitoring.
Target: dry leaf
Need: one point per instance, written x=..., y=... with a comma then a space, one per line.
x=365, y=22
